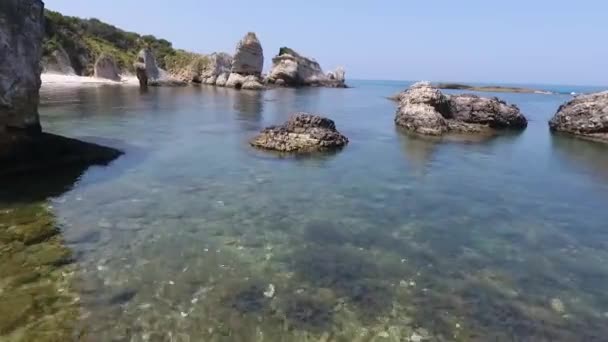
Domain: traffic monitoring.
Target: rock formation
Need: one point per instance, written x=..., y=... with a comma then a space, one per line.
x=58, y=63
x=585, y=116
x=105, y=67
x=289, y=68
x=23, y=147
x=249, y=56
x=21, y=32
x=426, y=110
x=219, y=63
x=145, y=67
x=301, y=133
x=247, y=64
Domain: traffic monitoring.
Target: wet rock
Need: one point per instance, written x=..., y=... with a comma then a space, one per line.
x=250, y=298
x=301, y=133
x=21, y=33
x=295, y=70
x=424, y=109
x=584, y=116
x=249, y=56
x=105, y=67
x=121, y=297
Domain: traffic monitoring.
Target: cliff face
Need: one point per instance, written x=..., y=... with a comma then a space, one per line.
x=21, y=32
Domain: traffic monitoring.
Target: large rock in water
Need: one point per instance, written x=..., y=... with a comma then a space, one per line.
x=426, y=110
x=145, y=67
x=21, y=33
x=292, y=69
x=585, y=116
x=301, y=133
x=105, y=67
x=249, y=56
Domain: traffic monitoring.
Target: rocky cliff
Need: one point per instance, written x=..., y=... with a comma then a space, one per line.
x=21, y=30
x=289, y=68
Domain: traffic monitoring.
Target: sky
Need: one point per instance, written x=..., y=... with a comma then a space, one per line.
x=515, y=41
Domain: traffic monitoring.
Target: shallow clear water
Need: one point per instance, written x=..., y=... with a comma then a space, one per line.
x=394, y=238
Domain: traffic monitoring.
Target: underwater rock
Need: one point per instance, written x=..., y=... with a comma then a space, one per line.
x=557, y=305
x=306, y=312
x=303, y=132
x=250, y=298
x=424, y=109
x=584, y=116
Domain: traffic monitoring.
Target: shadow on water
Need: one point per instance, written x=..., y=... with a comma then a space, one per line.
x=582, y=154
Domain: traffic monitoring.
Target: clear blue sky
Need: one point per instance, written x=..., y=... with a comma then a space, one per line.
x=515, y=41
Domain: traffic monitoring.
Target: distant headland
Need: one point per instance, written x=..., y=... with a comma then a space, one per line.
x=491, y=89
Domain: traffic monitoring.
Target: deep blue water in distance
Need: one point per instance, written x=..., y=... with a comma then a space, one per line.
x=394, y=237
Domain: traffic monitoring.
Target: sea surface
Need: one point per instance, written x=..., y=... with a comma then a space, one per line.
x=193, y=235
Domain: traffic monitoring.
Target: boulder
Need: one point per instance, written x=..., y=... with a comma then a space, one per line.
x=303, y=132
x=142, y=75
x=296, y=70
x=249, y=56
x=426, y=110
x=105, y=67
x=585, y=116
x=21, y=33
x=493, y=112
x=58, y=63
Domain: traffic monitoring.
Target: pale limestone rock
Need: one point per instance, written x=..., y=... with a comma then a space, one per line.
x=249, y=56
x=105, y=67
x=296, y=70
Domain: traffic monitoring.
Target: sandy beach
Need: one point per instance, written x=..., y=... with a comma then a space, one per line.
x=60, y=80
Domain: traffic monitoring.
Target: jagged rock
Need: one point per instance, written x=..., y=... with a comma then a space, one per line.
x=21, y=33
x=58, y=62
x=486, y=111
x=338, y=75
x=222, y=79
x=219, y=63
x=249, y=56
x=301, y=133
x=426, y=110
x=585, y=116
x=296, y=70
x=142, y=75
x=105, y=67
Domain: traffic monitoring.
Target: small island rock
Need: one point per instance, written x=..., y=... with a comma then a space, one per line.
x=426, y=110
x=303, y=132
x=585, y=116
x=249, y=56
x=295, y=70
x=105, y=67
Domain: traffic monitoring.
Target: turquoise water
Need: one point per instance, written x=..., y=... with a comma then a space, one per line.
x=394, y=238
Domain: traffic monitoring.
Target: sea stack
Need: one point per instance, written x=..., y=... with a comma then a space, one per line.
x=291, y=69
x=247, y=64
x=585, y=116
x=303, y=132
x=21, y=33
x=424, y=109
x=145, y=67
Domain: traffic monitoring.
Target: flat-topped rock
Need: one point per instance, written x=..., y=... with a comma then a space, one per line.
x=303, y=132
x=426, y=110
x=585, y=116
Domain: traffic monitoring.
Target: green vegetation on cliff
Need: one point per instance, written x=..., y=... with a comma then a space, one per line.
x=86, y=39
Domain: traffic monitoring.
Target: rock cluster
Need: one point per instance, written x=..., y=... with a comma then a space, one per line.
x=424, y=109
x=585, y=116
x=289, y=68
x=21, y=32
x=303, y=132
x=105, y=67
x=220, y=63
x=58, y=63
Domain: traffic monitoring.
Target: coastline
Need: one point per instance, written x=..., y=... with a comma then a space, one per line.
x=63, y=80
x=492, y=88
